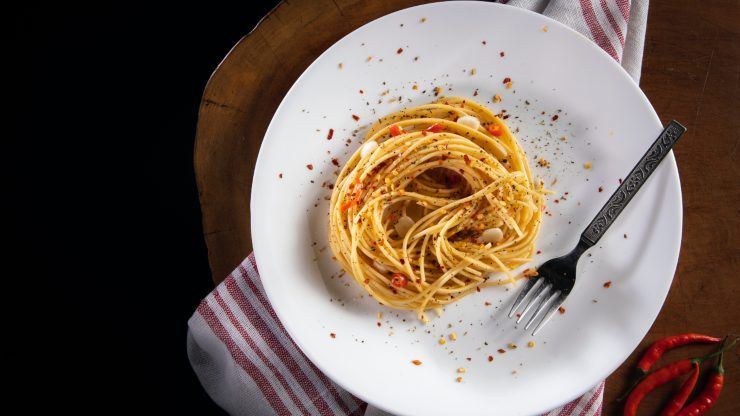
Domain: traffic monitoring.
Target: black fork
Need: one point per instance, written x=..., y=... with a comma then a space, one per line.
x=557, y=277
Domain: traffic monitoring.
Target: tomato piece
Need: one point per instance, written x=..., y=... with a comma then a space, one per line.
x=495, y=129
x=435, y=128
x=399, y=280
x=395, y=130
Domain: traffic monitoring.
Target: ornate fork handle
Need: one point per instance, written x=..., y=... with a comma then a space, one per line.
x=632, y=183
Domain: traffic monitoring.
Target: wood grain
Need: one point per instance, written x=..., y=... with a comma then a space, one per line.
x=691, y=73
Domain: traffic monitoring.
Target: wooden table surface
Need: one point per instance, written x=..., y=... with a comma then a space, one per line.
x=691, y=73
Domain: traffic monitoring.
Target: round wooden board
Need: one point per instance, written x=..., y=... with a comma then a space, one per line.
x=689, y=74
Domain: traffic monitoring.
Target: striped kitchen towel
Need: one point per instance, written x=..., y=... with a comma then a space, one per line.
x=249, y=365
x=240, y=351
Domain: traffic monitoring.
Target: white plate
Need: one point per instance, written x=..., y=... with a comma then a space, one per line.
x=606, y=120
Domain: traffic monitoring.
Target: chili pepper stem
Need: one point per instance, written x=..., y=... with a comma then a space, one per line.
x=720, y=369
x=632, y=387
x=719, y=352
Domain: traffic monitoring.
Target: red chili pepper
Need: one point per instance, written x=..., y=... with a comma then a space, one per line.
x=435, y=128
x=399, y=280
x=395, y=130
x=710, y=393
x=659, y=347
x=495, y=129
x=679, y=399
x=655, y=380
x=671, y=372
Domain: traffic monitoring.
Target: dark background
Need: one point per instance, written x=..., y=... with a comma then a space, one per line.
x=105, y=222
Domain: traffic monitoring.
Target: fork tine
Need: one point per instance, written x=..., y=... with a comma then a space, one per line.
x=522, y=295
x=550, y=312
x=542, y=290
x=545, y=302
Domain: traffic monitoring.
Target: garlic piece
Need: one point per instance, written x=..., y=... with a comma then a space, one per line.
x=403, y=226
x=469, y=121
x=368, y=148
x=491, y=235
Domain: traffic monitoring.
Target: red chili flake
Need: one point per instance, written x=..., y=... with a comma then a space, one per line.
x=356, y=117
x=556, y=201
x=349, y=141
x=466, y=159
x=555, y=117
x=362, y=92
x=477, y=288
x=502, y=54
x=490, y=358
x=501, y=351
x=366, y=281
x=468, y=358
x=379, y=324
x=484, y=42
x=335, y=162
x=607, y=284
x=309, y=166
x=280, y=176
x=399, y=51
x=330, y=134
x=539, y=251
x=487, y=303
x=620, y=181
x=625, y=236
x=403, y=261
x=475, y=93
x=333, y=335
x=507, y=80
x=395, y=130
x=601, y=189
x=561, y=310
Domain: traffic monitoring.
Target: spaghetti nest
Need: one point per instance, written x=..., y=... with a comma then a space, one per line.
x=438, y=197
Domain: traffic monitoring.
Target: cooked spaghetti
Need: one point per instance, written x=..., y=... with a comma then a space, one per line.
x=437, y=199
